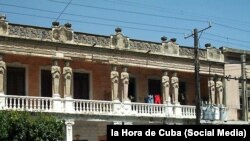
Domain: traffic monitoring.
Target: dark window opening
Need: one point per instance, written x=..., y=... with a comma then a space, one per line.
x=182, y=93
x=46, y=83
x=132, y=89
x=15, y=81
x=81, y=85
x=154, y=89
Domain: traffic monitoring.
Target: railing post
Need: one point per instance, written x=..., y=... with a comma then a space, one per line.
x=177, y=110
x=117, y=107
x=216, y=113
x=223, y=113
x=69, y=105
x=169, y=109
x=2, y=101
x=57, y=105
x=127, y=109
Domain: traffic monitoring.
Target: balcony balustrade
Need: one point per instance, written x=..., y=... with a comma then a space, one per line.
x=95, y=107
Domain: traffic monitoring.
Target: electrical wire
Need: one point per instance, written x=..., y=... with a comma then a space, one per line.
x=133, y=12
x=63, y=10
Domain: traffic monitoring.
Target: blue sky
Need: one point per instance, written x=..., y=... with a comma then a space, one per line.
x=142, y=19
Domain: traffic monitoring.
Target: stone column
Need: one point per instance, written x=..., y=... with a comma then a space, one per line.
x=114, y=83
x=219, y=92
x=67, y=73
x=2, y=74
x=125, y=82
x=211, y=91
x=69, y=130
x=165, y=88
x=175, y=88
x=56, y=72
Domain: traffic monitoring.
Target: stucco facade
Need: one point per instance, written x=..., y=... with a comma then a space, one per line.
x=32, y=54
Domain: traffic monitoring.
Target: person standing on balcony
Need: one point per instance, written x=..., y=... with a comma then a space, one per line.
x=55, y=71
x=114, y=83
x=125, y=82
x=175, y=88
x=165, y=87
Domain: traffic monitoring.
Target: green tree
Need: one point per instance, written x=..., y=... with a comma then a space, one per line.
x=23, y=126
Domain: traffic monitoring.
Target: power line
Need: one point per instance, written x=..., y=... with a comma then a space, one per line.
x=129, y=22
x=178, y=28
x=133, y=12
x=231, y=27
x=128, y=27
x=63, y=10
x=227, y=38
x=160, y=8
x=240, y=45
x=154, y=15
x=99, y=18
x=24, y=7
x=110, y=25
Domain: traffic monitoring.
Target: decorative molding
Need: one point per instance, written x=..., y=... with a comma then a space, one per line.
x=214, y=54
x=91, y=40
x=170, y=48
x=66, y=35
x=189, y=52
x=119, y=41
x=29, y=32
x=145, y=46
x=62, y=33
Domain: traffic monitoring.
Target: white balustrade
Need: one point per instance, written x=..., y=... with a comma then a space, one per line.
x=145, y=109
x=188, y=111
x=28, y=103
x=96, y=107
x=93, y=106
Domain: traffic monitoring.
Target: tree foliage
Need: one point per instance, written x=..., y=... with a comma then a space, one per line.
x=27, y=126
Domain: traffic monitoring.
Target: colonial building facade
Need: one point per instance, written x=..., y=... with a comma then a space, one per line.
x=94, y=80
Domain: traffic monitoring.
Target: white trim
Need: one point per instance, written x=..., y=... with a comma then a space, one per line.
x=19, y=65
x=90, y=81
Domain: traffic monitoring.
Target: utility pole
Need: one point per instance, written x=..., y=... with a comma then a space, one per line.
x=197, y=74
x=197, y=77
x=243, y=88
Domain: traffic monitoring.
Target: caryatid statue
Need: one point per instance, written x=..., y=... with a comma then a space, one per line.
x=165, y=88
x=67, y=73
x=56, y=72
x=211, y=91
x=114, y=83
x=219, y=92
x=125, y=83
x=175, y=88
x=2, y=73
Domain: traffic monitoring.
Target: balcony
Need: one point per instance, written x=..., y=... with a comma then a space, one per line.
x=107, y=108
